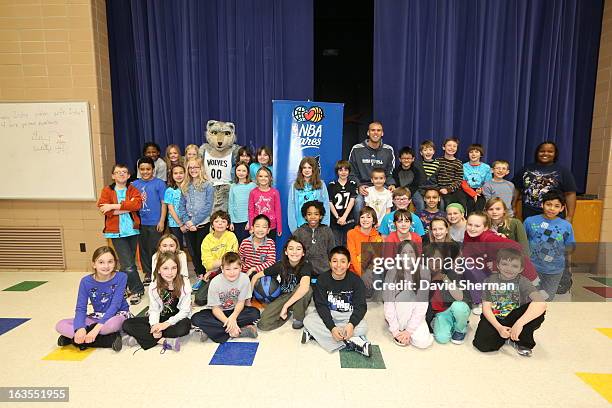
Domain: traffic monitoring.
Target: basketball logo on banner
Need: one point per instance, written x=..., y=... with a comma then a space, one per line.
x=308, y=133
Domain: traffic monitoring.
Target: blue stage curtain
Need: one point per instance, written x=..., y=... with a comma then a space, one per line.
x=507, y=74
x=177, y=64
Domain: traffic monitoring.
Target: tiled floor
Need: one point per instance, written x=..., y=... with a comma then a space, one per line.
x=287, y=373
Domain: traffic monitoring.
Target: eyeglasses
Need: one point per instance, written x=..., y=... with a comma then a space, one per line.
x=401, y=199
x=194, y=167
x=120, y=173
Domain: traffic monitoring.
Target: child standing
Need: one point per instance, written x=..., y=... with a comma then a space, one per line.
x=427, y=166
x=502, y=223
x=365, y=232
x=432, y=208
x=153, y=151
x=152, y=213
x=169, y=308
x=172, y=198
x=401, y=201
x=192, y=152
x=169, y=243
x=120, y=203
x=455, y=214
x=264, y=158
x=378, y=197
x=449, y=175
x=226, y=315
x=258, y=252
x=238, y=204
x=550, y=237
x=342, y=194
x=509, y=314
x=448, y=312
x=173, y=156
x=216, y=244
x=340, y=308
x=317, y=238
x=498, y=186
x=405, y=310
x=295, y=274
x=104, y=289
x=308, y=186
x=265, y=199
x=475, y=175
x=409, y=176
x=195, y=208
x=246, y=155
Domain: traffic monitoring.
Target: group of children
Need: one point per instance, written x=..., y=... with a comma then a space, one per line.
x=329, y=256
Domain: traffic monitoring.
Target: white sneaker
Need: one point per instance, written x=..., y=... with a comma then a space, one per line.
x=359, y=344
x=477, y=309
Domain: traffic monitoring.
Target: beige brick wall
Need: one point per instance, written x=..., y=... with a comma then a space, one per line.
x=599, y=179
x=54, y=50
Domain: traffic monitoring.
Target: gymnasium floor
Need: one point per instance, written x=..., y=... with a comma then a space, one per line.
x=570, y=367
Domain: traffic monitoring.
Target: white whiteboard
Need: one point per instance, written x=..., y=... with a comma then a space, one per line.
x=46, y=151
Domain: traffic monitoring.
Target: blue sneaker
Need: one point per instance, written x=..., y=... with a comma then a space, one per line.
x=197, y=285
x=458, y=338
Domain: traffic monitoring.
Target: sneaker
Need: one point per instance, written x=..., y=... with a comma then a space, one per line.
x=146, y=281
x=399, y=343
x=136, y=298
x=170, y=344
x=117, y=343
x=297, y=324
x=63, y=341
x=477, y=309
x=523, y=351
x=197, y=285
x=203, y=336
x=249, y=331
x=457, y=338
x=306, y=336
x=359, y=344
x=129, y=340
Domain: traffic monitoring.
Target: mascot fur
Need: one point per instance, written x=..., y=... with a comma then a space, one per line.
x=219, y=155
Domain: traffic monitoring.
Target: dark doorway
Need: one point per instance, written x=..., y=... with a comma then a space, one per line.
x=344, y=38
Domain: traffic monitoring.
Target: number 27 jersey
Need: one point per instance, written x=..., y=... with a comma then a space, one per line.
x=340, y=195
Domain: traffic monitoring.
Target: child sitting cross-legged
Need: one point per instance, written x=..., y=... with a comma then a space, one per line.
x=340, y=308
x=226, y=315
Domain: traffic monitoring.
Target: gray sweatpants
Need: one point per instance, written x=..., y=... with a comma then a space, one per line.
x=323, y=336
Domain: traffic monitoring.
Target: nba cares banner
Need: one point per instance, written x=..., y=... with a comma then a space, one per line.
x=301, y=129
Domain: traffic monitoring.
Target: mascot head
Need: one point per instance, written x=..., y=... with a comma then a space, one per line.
x=220, y=135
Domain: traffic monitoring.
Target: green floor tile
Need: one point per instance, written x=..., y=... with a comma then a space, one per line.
x=143, y=312
x=25, y=286
x=351, y=359
x=605, y=281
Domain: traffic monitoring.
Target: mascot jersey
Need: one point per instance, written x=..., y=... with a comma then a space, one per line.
x=219, y=169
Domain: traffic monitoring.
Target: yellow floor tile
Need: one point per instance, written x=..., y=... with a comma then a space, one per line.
x=606, y=332
x=602, y=383
x=68, y=353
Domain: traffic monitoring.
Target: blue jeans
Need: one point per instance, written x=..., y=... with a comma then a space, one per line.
x=549, y=283
x=126, y=251
x=417, y=201
x=359, y=204
x=453, y=319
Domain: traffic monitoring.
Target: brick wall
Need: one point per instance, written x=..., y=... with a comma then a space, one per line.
x=54, y=50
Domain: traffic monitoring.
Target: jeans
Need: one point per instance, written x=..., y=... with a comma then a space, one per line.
x=148, y=240
x=359, y=204
x=549, y=283
x=417, y=200
x=126, y=251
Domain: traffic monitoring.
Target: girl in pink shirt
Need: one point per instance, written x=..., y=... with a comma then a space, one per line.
x=265, y=199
